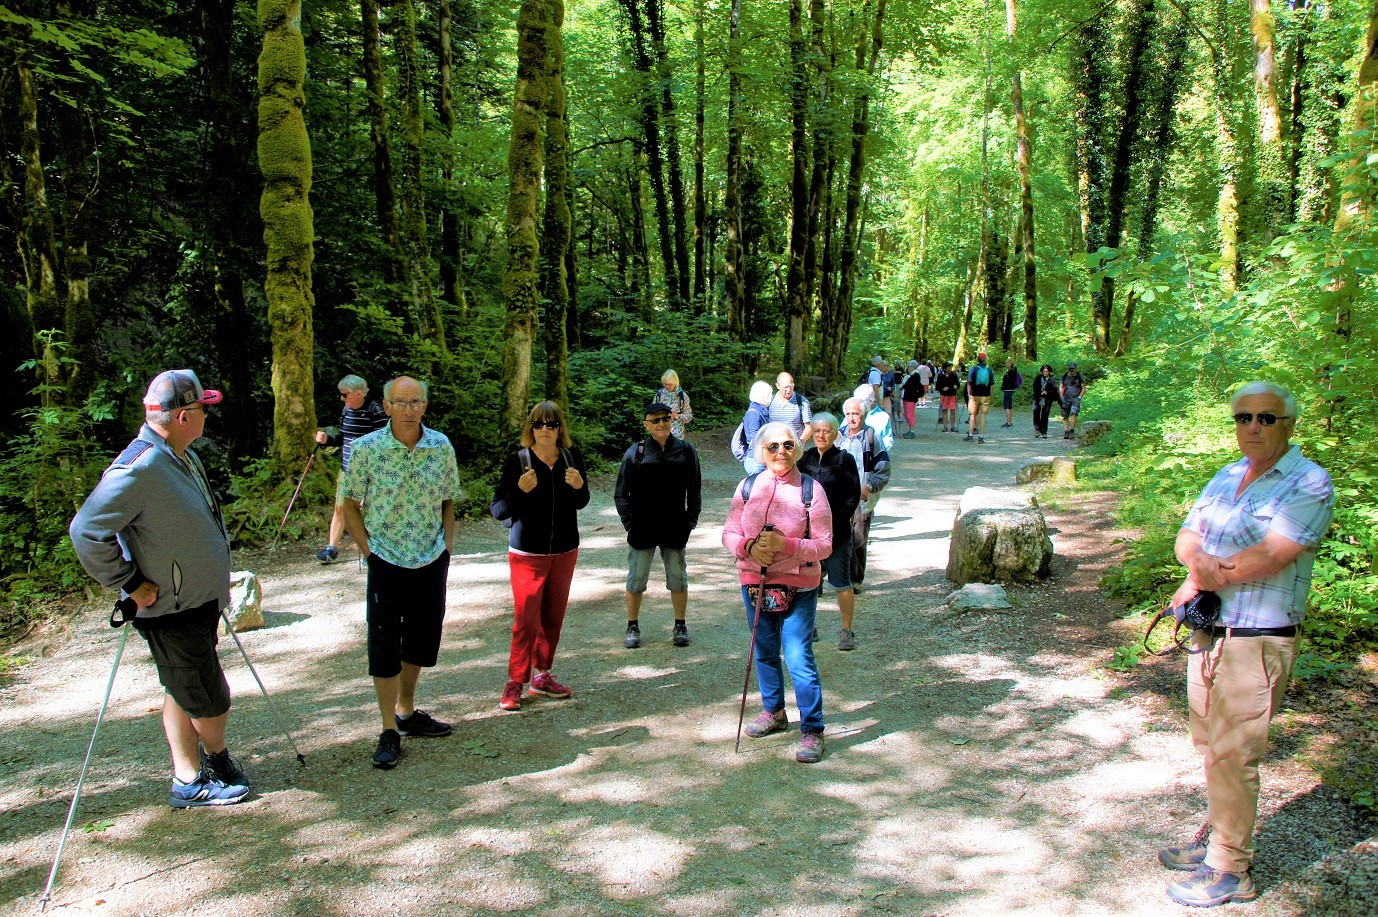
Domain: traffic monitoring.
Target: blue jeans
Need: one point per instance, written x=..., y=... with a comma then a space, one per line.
x=791, y=632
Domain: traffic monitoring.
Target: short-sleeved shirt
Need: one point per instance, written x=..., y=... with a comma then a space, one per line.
x=1295, y=499
x=1072, y=385
x=402, y=491
x=797, y=412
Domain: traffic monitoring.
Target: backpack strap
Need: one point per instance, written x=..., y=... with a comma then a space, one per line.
x=640, y=450
x=806, y=491
x=567, y=456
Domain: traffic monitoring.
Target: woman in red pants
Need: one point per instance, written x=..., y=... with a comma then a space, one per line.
x=543, y=487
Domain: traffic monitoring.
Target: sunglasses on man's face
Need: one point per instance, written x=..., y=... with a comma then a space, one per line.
x=545, y=425
x=659, y=418
x=1244, y=418
x=787, y=445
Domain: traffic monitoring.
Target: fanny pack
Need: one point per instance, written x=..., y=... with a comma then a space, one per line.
x=772, y=598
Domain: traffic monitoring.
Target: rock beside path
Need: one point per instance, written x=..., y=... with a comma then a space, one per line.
x=999, y=536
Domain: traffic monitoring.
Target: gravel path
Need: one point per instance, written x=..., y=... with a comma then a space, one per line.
x=975, y=766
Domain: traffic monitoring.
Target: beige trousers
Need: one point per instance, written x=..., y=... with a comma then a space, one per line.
x=1233, y=689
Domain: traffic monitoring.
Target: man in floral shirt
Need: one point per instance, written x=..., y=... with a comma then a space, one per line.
x=400, y=492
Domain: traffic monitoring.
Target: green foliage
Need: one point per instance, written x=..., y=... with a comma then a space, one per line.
x=260, y=496
x=45, y=472
x=1126, y=657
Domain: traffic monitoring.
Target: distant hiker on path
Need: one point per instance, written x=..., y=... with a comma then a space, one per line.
x=836, y=471
x=676, y=399
x=400, y=494
x=658, y=498
x=356, y=419
x=980, y=381
x=947, y=383
x=1070, y=389
x=1044, y=394
x=542, y=489
x=1251, y=538
x=779, y=531
x=1010, y=383
x=790, y=407
x=152, y=528
x=912, y=388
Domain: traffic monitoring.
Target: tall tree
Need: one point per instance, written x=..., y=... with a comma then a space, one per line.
x=669, y=123
x=284, y=157
x=1092, y=177
x=74, y=153
x=700, y=198
x=451, y=255
x=557, y=228
x=795, y=304
x=425, y=309
x=375, y=110
x=524, y=165
x=38, y=248
x=1273, y=169
x=733, y=260
x=1024, y=162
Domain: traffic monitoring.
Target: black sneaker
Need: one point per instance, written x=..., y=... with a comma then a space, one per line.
x=389, y=750
x=633, y=638
x=205, y=791
x=681, y=637
x=327, y=555
x=421, y=723
x=222, y=767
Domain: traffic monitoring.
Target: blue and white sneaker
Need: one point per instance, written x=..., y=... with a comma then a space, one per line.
x=205, y=791
x=1208, y=887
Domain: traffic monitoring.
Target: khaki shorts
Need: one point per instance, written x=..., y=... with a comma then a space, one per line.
x=978, y=405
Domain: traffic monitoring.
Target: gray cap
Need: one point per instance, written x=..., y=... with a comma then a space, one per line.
x=178, y=388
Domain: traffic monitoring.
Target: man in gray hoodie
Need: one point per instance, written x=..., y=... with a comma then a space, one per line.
x=152, y=528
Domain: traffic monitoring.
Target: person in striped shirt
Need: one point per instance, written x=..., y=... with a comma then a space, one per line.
x=356, y=420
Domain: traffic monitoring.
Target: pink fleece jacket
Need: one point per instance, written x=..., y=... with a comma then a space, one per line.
x=780, y=501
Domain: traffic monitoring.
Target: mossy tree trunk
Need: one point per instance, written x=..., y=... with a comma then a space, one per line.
x=524, y=154
x=284, y=157
x=700, y=199
x=1024, y=163
x=38, y=249
x=1273, y=185
x=1091, y=101
x=415, y=241
x=557, y=227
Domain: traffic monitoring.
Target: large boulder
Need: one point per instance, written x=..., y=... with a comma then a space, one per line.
x=977, y=597
x=246, y=602
x=1088, y=431
x=1034, y=471
x=999, y=537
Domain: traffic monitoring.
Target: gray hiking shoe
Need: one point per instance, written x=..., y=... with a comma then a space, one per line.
x=846, y=640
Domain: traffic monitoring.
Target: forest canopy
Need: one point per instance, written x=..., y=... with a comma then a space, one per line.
x=564, y=199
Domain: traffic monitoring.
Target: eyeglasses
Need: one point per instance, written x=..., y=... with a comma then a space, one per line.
x=1244, y=418
x=545, y=425
x=204, y=409
x=660, y=418
x=787, y=445
x=410, y=404
x=345, y=394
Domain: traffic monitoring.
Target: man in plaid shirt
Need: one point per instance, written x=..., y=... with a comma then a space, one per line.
x=1251, y=537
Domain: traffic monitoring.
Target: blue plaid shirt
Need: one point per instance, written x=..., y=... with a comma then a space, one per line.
x=1294, y=498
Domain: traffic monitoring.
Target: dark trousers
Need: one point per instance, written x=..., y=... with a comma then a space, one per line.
x=1042, y=409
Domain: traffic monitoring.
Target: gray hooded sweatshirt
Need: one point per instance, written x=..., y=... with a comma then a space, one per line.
x=148, y=520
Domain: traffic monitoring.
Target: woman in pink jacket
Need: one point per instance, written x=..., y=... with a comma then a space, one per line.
x=780, y=530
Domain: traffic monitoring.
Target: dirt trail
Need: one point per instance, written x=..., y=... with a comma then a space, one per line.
x=975, y=766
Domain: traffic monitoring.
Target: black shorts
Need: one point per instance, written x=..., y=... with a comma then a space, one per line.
x=405, y=609
x=188, y=665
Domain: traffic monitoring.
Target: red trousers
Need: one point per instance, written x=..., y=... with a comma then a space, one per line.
x=540, y=594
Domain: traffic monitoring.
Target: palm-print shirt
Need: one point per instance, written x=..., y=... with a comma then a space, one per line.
x=402, y=491
x=680, y=411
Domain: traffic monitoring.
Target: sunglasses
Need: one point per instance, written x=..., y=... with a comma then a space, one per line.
x=1244, y=418
x=545, y=425
x=659, y=418
x=787, y=445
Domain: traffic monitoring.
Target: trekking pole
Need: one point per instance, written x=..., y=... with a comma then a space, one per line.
x=751, y=652
x=127, y=608
x=300, y=481
x=266, y=696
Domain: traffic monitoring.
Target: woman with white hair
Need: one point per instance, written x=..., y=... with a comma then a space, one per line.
x=757, y=415
x=779, y=529
x=677, y=400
